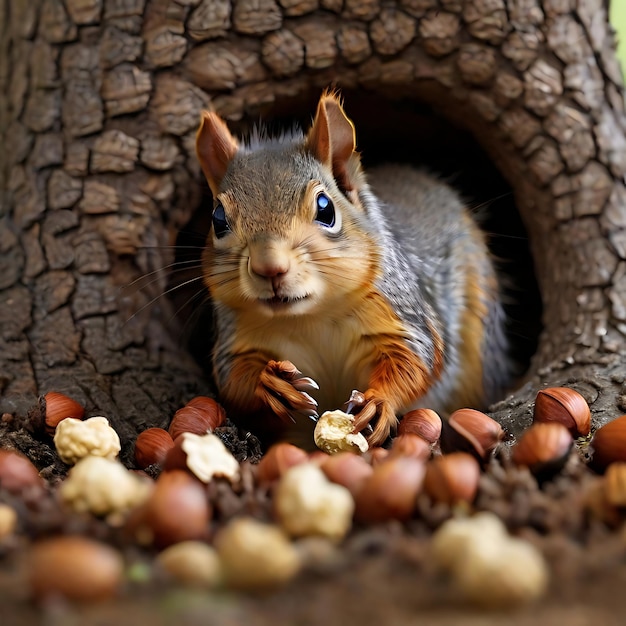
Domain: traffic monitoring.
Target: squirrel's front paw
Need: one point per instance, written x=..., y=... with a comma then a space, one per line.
x=284, y=389
x=370, y=406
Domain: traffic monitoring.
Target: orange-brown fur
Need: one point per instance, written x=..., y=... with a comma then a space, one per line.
x=290, y=289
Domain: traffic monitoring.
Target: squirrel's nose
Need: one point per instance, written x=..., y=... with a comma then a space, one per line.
x=269, y=268
x=268, y=259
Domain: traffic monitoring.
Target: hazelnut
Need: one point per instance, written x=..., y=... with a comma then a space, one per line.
x=74, y=439
x=256, y=556
x=177, y=510
x=376, y=455
x=615, y=484
x=204, y=456
x=423, y=422
x=199, y=416
x=278, y=459
x=565, y=406
x=334, y=432
x=307, y=503
x=8, y=520
x=595, y=502
x=347, y=469
x=543, y=448
x=609, y=444
x=17, y=473
x=411, y=445
x=151, y=446
x=452, y=478
x=209, y=405
x=391, y=491
x=192, y=563
x=58, y=406
x=468, y=430
x=76, y=568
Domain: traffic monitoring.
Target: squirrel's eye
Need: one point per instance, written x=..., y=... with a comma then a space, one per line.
x=325, y=214
x=220, y=224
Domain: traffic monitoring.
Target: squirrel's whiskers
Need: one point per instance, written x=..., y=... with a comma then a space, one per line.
x=379, y=282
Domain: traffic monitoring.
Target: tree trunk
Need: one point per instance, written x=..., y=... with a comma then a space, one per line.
x=99, y=172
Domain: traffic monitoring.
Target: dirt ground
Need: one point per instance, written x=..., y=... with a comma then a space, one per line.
x=390, y=585
x=380, y=573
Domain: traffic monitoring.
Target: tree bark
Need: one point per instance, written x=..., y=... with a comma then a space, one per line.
x=99, y=172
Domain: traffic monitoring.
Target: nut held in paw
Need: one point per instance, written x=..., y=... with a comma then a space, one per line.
x=334, y=433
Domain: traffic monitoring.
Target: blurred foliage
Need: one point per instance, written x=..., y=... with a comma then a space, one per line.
x=618, y=19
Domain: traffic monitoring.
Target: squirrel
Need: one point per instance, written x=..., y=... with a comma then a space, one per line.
x=326, y=279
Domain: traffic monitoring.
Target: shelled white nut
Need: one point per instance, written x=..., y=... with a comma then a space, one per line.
x=307, y=503
x=75, y=439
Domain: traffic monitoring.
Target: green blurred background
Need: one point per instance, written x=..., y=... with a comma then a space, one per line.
x=618, y=19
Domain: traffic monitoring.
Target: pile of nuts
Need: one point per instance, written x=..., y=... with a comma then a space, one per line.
x=322, y=494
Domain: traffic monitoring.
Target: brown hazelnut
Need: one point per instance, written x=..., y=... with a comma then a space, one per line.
x=278, y=459
x=74, y=567
x=468, y=430
x=565, y=406
x=391, y=491
x=58, y=406
x=376, y=455
x=198, y=420
x=177, y=510
x=423, y=422
x=151, y=446
x=347, y=469
x=609, y=444
x=411, y=445
x=210, y=405
x=596, y=504
x=543, y=448
x=452, y=478
x=615, y=484
x=17, y=473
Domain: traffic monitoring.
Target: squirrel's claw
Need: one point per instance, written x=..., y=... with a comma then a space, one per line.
x=305, y=384
x=369, y=406
x=284, y=389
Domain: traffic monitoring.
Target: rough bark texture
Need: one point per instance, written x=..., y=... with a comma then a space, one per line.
x=98, y=172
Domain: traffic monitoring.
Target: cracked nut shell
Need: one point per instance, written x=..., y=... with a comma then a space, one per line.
x=468, y=430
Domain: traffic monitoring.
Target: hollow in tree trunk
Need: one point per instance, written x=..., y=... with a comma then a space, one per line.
x=102, y=101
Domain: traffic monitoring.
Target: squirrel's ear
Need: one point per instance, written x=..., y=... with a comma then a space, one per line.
x=215, y=147
x=331, y=138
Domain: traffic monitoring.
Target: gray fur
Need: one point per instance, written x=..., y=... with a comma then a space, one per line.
x=424, y=243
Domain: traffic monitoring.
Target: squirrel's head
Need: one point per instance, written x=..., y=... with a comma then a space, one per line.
x=289, y=230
